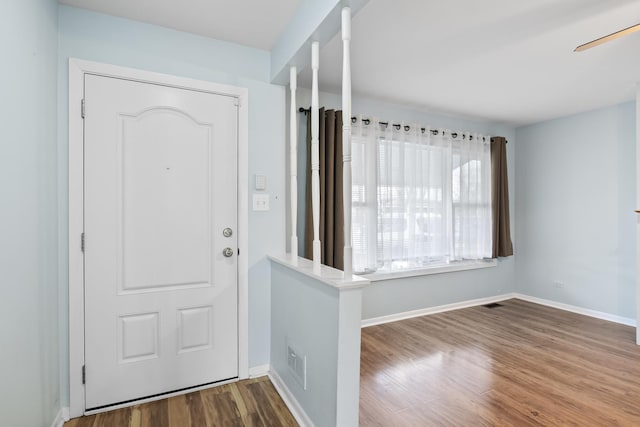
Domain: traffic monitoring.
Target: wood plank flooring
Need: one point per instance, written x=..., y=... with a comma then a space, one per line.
x=521, y=364
x=252, y=402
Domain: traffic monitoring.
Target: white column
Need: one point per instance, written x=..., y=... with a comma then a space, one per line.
x=293, y=154
x=638, y=212
x=315, y=158
x=349, y=333
x=346, y=138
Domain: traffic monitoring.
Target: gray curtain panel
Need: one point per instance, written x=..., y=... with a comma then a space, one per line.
x=502, y=245
x=331, y=202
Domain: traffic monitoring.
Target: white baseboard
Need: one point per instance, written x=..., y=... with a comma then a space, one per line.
x=289, y=399
x=481, y=301
x=433, y=310
x=579, y=310
x=259, y=371
x=61, y=417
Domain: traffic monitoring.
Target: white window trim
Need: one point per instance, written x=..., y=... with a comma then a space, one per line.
x=436, y=269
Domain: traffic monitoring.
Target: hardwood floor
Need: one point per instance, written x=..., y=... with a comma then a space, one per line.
x=252, y=402
x=521, y=364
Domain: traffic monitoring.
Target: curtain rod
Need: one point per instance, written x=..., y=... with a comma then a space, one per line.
x=397, y=126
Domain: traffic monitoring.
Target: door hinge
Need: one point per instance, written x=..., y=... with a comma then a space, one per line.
x=238, y=102
x=82, y=242
x=84, y=375
x=82, y=108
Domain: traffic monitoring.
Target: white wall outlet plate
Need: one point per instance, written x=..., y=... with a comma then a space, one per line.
x=260, y=202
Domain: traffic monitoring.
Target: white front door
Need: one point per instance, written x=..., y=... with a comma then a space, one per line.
x=160, y=191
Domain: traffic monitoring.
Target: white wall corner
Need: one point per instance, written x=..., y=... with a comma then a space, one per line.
x=61, y=417
x=259, y=371
x=348, y=372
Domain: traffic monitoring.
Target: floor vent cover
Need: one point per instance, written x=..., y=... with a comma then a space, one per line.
x=492, y=305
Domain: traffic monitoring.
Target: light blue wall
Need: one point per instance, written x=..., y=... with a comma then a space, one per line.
x=388, y=297
x=305, y=315
x=575, y=180
x=29, y=385
x=101, y=38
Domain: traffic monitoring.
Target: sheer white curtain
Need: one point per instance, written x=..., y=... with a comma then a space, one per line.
x=419, y=197
x=364, y=195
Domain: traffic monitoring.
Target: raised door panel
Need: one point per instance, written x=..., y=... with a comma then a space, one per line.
x=165, y=195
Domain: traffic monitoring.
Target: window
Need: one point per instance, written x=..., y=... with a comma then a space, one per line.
x=420, y=199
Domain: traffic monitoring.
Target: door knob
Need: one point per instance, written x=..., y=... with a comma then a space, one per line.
x=227, y=252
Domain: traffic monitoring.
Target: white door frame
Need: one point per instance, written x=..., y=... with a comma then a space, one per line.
x=77, y=70
x=638, y=213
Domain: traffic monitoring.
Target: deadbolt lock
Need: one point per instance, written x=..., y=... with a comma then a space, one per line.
x=227, y=232
x=227, y=252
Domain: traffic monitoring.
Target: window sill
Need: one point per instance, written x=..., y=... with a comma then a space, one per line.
x=436, y=269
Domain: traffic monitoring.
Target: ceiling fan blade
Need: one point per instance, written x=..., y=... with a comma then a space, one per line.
x=612, y=36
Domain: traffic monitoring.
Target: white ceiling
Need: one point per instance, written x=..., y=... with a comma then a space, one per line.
x=255, y=23
x=499, y=60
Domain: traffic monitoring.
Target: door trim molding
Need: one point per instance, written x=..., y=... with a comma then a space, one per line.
x=77, y=70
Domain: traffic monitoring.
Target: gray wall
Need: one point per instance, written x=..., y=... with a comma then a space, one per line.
x=29, y=389
x=388, y=297
x=576, y=189
x=96, y=37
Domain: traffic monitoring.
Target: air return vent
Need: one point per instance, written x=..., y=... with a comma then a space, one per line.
x=492, y=305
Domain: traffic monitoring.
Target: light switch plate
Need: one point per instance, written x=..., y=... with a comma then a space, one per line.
x=260, y=202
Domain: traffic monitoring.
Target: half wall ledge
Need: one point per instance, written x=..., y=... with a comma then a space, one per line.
x=328, y=275
x=315, y=340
